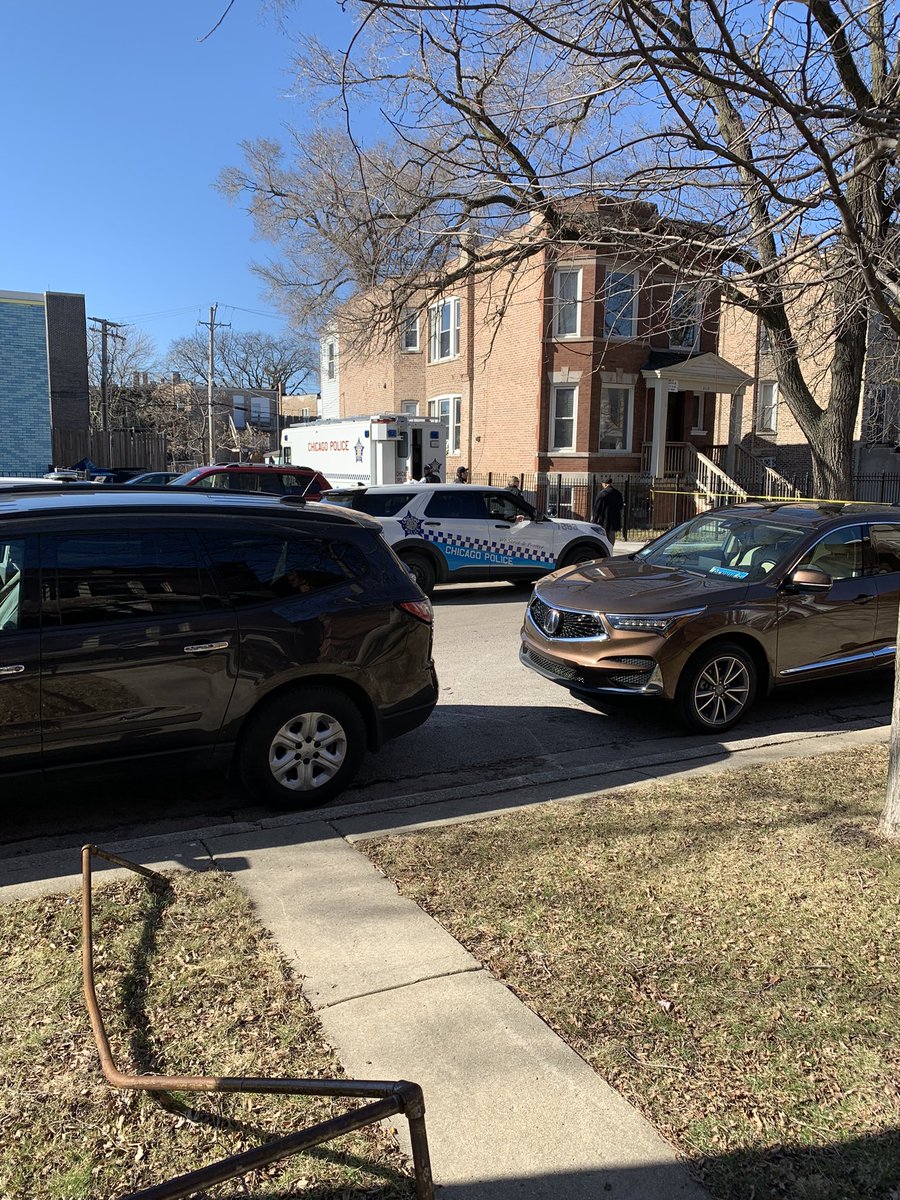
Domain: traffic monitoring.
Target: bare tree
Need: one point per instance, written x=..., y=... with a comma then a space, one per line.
x=765, y=140
x=248, y=359
x=131, y=362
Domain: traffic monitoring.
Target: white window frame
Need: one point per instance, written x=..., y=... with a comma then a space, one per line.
x=555, y=389
x=699, y=413
x=619, y=275
x=770, y=405
x=330, y=359
x=629, y=418
x=436, y=330
x=559, y=302
x=410, y=325
x=688, y=293
x=410, y=407
x=448, y=410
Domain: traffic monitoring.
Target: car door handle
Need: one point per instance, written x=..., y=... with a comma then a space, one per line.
x=503, y=526
x=431, y=522
x=862, y=598
x=205, y=647
x=16, y=670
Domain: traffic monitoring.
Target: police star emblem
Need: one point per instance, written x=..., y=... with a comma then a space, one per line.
x=412, y=526
x=358, y=449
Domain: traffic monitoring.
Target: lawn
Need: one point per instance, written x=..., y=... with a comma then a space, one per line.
x=722, y=949
x=188, y=984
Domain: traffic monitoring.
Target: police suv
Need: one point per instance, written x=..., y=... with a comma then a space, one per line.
x=450, y=533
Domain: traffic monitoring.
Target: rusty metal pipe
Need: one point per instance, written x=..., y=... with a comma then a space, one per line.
x=271, y=1152
x=395, y=1096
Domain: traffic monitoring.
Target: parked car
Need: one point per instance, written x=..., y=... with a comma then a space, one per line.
x=246, y=477
x=154, y=478
x=204, y=627
x=11, y=481
x=724, y=608
x=454, y=532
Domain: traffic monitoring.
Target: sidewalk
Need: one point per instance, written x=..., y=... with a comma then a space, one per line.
x=513, y=1113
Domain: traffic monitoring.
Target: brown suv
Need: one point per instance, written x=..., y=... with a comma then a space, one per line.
x=727, y=605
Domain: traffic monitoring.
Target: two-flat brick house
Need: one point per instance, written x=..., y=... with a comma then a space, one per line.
x=574, y=362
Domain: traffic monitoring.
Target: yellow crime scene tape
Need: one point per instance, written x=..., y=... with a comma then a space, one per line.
x=768, y=499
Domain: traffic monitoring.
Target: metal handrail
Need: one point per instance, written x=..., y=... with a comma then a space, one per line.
x=394, y=1096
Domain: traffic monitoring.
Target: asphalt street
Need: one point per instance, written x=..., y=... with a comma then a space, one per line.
x=495, y=722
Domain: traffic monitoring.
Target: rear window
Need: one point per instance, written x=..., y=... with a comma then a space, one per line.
x=255, y=568
x=376, y=504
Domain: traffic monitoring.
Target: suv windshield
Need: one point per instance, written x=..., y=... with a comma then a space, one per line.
x=731, y=545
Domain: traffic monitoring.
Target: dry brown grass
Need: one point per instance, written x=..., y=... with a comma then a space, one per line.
x=189, y=985
x=722, y=949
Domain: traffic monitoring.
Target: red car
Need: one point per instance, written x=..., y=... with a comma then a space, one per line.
x=252, y=477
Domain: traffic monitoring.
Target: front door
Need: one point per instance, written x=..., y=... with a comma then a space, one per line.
x=835, y=629
x=675, y=417
x=134, y=661
x=519, y=542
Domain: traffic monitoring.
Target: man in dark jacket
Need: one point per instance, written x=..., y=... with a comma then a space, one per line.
x=608, y=510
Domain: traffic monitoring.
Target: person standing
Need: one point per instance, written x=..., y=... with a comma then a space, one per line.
x=462, y=475
x=608, y=510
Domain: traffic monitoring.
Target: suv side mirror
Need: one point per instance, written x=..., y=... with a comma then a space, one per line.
x=808, y=579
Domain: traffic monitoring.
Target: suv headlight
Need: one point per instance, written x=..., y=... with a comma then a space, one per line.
x=659, y=623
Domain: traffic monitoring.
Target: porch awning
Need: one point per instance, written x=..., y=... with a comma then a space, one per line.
x=704, y=373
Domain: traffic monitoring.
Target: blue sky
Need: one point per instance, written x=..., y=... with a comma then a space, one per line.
x=117, y=121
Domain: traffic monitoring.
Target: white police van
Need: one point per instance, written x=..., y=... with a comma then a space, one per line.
x=452, y=533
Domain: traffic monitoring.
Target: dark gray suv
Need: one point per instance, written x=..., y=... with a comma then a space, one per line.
x=204, y=627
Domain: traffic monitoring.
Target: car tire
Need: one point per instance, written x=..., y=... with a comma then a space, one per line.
x=716, y=688
x=422, y=571
x=303, y=748
x=581, y=554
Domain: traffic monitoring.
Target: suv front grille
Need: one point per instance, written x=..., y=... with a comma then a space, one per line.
x=572, y=625
x=552, y=666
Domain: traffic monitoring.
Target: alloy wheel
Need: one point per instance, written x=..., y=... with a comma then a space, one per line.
x=722, y=690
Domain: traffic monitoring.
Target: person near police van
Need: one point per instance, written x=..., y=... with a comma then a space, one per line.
x=513, y=485
x=462, y=475
x=608, y=510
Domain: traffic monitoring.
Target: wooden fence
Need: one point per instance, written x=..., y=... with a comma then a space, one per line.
x=114, y=449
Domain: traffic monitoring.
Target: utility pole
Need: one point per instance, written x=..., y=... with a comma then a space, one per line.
x=104, y=326
x=212, y=325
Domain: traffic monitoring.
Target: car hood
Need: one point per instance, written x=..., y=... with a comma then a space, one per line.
x=625, y=585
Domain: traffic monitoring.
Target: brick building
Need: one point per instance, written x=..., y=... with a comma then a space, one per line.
x=43, y=377
x=575, y=362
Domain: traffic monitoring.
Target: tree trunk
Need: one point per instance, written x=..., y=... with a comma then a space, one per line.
x=832, y=449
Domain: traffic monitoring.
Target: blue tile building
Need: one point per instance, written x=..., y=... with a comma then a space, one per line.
x=43, y=377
